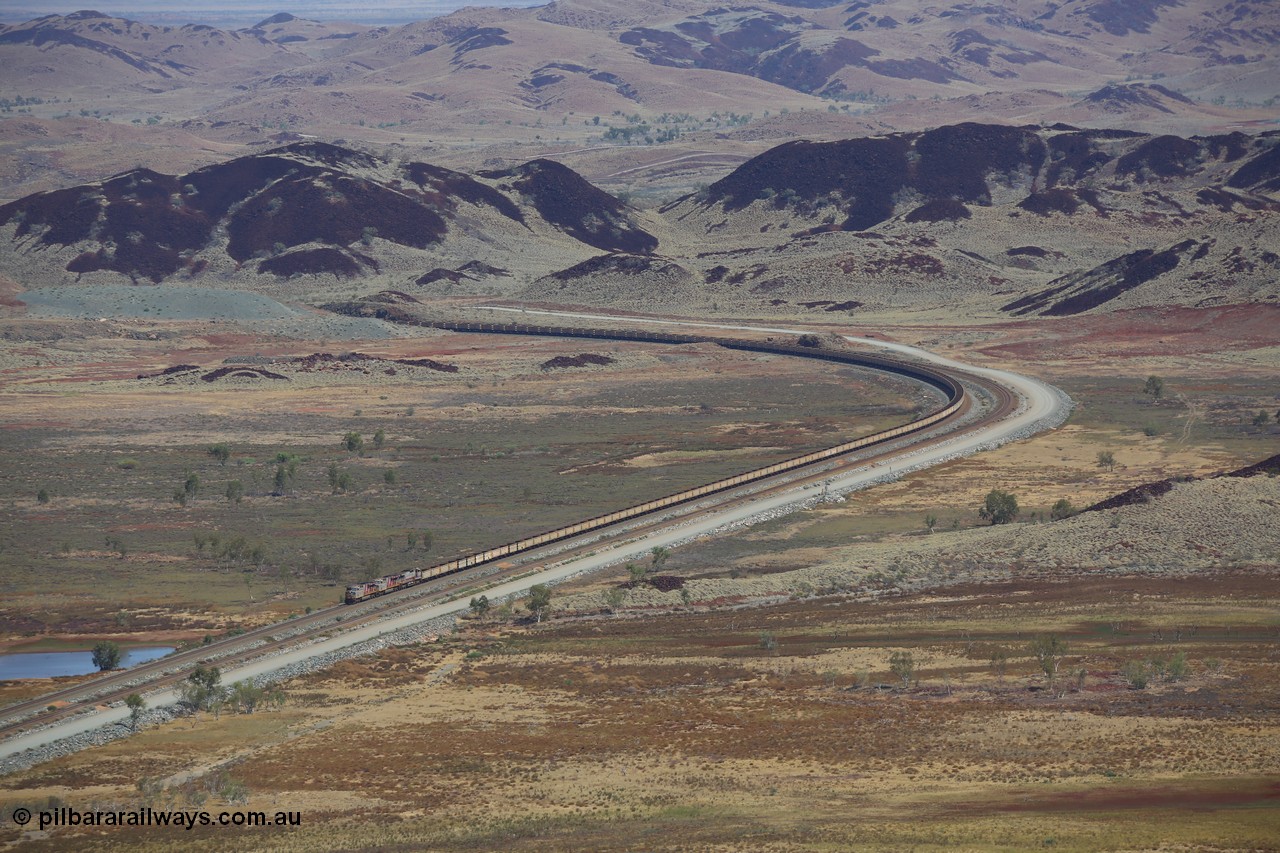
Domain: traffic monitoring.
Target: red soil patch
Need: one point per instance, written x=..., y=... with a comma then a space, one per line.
x=1143, y=332
x=1143, y=798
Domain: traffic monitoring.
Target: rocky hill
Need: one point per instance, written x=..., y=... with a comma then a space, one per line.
x=317, y=210
x=1068, y=220
x=1021, y=220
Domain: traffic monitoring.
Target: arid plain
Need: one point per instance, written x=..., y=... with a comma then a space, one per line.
x=1084, y=193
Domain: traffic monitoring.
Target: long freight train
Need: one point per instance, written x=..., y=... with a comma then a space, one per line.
x=952, y=389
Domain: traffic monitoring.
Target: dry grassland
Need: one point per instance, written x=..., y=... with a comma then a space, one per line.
x=498, y=449
x=686, y=732
x=669, y=726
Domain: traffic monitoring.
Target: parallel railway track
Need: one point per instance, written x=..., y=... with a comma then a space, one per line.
x=634, y=522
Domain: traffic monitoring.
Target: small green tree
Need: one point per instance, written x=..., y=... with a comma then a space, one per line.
x=203, y=690
x=903, y=665
x=106, y=655
x=1049, y=650
x=379, y=438
x=389, y=476
x=1107, y=459
x=235, y=491
x=930, y=522
x=220, y=452
x=613, y=599
x=246, y=696
x=636, y=571
x=137, y=706
x=539, y=602
x=42, y=496
x=428, y=539
x=353, y=442
x=479, y=606
x=1062, y=509
x=281, y=481
x=192, y=485
x=1154, y=387
x=1261, y=418
x=1136, y=674
x=339, y=480
x=658, y=557
x=1000, y=507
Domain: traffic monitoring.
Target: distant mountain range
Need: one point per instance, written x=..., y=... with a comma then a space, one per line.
x=596, y=56
x=1016, y=220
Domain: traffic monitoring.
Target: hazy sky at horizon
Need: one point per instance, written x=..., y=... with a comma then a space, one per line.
x=244, y=13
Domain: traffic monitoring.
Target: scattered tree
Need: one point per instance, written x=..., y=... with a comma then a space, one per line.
x=235, y=491
x=106, y=655
x=1000, y=507
x=192, y=485
x=281, y=480
x=116, y=544
x=903, y=666
x=1107, y=459
x=1136, y=673
x=539, y=600
x=658, y=558
x=999, y=661
x=339, y=480
x=1062, y=509
x=1049, y=650
x=353, y=442
x=247, y=696
x=137, y=706
x=479, y=606
x=636, y=571
x=1154, y=387
x=220, y=452
x=203, y=690
x=428, y=539
x=389, y=476
x=613, y=599
x=768, y=642
x=42, y=496
x=930, y=522
x=379, y=438
x=1260, y=419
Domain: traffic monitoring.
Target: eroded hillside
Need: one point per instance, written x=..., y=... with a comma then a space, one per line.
x=995, y=219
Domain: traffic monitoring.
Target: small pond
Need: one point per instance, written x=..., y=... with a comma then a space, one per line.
x=51, y=664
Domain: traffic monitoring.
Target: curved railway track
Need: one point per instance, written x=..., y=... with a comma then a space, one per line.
x=455, y=578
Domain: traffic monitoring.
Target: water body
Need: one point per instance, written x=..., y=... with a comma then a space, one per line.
x=53, y=664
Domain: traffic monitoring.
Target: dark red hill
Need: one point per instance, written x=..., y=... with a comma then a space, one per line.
x=330, y=203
